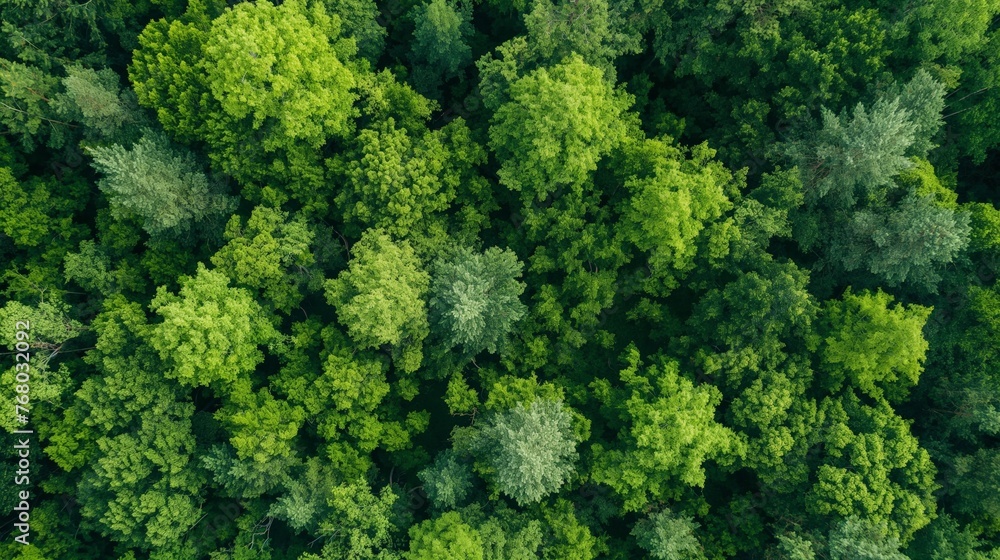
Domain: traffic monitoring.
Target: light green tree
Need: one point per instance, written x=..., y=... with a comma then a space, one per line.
x=527, y=452
x=270, y=253
x=558, y=124
x=404, y=183
x=262, y=84
x=668, y=536
x=874, y=346
x=210, y=332
x=380, y=298
x=667, y=430
x=446, y=536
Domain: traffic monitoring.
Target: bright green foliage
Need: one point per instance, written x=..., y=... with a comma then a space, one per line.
x=359, y=524
x=341, y=395
x=668, y=536
x=424, y=275
x=669, y=209
x=133, y=434
x=556, y=126
x=260, y=83
x=876, y=348
x=167, y=78
x=380, y=297
x=780, y=420
x=446, y=536
x=474, y=299
x=854, y=539
x=36, y=210
x=439, y=51
x=382, y=97
x=667, y=432
x=262, y=428
x=160, y=185
x=873, y=468
x=566, y=536
x=49, y=326
x=291, y=89
x=142, y=489
x=130, y=383
x=210, y=331
x=403, y=184
x=448, y=481
x=527, y=452
x=269, y=253
x=460, y=398
x=508, y=536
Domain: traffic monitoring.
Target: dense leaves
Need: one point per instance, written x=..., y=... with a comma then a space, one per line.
x=500, y=280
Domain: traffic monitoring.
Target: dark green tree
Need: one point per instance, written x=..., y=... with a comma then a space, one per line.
x=474, y=299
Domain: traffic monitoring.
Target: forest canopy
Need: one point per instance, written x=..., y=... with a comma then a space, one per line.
x=500, y=279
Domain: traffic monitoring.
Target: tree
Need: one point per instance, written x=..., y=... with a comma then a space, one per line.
x=367, y=518
x=210, y=332
x=446, y=536
x=668, y=208
x=474, y=299
x=95, y=99
x=863, y=175
x=271, y=80
x=668, y=536
x=876, y=348
x=359, y=19
x=50, y=327
x=447, y=481
x=380, y=297
x=160, y=185
x=872, y=467
x=26, y=92
x=142, y=488
x=404, y=183
x=528, y=451
x=271, y=254
x=590, y=28
x=38, y=211
x=855, y=156
x=439, y=51
x=555, y=128
x=855, y=538
x=261, y=428
x=667, y=431
x=906, y=244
